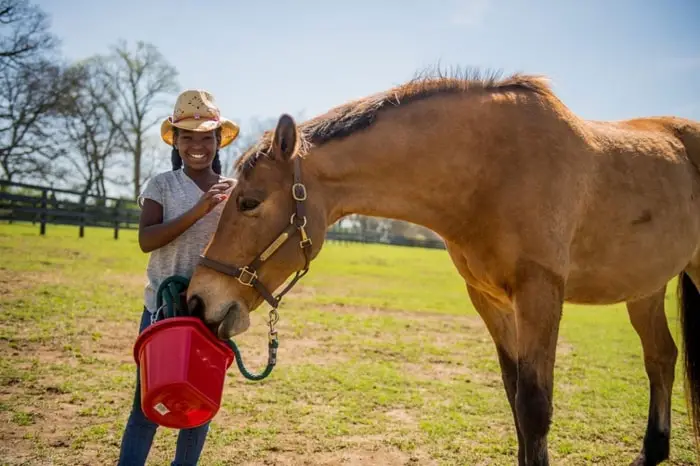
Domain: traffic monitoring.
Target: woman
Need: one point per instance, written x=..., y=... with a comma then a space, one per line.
x=180, y=211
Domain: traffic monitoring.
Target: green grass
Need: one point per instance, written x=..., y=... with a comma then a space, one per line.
x=382, y=361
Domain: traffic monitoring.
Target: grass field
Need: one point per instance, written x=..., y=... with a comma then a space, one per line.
x=382, y=361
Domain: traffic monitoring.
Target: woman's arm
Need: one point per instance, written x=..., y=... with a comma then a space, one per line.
x=154, y=234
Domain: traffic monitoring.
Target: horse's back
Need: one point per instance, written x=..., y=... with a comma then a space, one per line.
x=683, y=130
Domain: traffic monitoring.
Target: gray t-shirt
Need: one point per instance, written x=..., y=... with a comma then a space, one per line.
x=177, y=193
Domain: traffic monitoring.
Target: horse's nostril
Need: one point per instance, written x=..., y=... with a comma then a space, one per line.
x=196, y=306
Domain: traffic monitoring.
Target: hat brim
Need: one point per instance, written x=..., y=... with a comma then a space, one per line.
x=229, y=129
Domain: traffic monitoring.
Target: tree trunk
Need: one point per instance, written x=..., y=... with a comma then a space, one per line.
x=137, y=166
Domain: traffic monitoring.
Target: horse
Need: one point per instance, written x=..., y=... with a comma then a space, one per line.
x=536, y=207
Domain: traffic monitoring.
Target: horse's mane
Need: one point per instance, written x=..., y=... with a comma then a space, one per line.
x=356, y=115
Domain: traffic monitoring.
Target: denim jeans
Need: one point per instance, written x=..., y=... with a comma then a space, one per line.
x=139, y=431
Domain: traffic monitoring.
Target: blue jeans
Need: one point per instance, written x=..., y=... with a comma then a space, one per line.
x=139, y=431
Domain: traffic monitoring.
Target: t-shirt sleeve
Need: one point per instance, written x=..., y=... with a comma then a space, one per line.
x=153, y=191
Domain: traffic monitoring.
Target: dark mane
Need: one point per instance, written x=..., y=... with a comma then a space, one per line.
x=356, y=115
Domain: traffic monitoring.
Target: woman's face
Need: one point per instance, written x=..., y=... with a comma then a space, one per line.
x=197, y=149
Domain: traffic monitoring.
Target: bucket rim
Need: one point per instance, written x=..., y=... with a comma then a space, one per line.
x=180, y=322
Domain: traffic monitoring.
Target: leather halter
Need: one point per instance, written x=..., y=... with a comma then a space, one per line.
x=248, y=275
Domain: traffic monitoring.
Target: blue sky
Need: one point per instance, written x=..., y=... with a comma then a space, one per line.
x=609, y=59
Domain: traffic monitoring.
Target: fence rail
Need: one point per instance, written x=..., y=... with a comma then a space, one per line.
x=375, y=238
x=21, y=202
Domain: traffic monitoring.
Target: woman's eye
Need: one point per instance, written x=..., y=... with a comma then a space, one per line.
x=247, y=203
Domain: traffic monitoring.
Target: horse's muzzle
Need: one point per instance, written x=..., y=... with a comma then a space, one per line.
x=235, y=321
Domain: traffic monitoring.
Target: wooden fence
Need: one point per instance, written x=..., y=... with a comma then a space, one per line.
x=43, y=205
x=21, y=202
x=340, y=236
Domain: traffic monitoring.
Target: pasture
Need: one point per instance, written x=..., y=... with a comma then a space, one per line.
x=382, y=360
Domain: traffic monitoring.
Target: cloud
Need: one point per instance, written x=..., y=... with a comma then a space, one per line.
x=470, y=12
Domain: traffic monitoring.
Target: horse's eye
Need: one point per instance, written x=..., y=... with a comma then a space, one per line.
x=247, y=203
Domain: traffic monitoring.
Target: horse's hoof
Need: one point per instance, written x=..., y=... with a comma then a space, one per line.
x=642, y=460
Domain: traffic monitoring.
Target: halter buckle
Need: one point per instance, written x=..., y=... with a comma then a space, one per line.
x=245, y=271
x=299, y=197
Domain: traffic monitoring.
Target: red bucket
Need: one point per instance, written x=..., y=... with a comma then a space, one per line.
x=183, y=369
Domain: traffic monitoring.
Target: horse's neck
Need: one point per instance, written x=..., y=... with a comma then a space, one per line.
x=396, y=179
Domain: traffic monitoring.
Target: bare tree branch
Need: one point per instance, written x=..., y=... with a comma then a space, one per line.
x=30, y=97
x=31, y=83
x=91, y=138
x=135, y=80
x=24, y=33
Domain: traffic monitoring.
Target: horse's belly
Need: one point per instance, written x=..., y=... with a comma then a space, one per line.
x=596, y=287
x=628, y=258
x=617, y=277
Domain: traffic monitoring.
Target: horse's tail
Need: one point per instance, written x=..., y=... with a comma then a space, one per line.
x=689, y=303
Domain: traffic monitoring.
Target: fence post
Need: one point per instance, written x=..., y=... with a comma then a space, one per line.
x=116, y=219
x=42, y=216
x=82, y=219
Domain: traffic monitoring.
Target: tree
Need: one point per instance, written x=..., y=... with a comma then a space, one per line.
x=25, y=33
x=135, y=80
x=156, y=158
x=91, y=139
x=30, y=97
x=31, y=84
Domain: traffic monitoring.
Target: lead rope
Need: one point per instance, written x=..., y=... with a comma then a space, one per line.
x=170, y=304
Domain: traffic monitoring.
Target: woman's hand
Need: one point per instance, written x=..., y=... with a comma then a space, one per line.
x=216, y=195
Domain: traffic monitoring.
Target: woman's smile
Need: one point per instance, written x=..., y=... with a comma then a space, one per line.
x=199, y=156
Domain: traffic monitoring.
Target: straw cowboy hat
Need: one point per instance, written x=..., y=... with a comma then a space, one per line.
x=195, y=110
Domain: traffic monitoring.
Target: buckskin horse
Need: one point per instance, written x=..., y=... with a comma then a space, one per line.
x=536, y=206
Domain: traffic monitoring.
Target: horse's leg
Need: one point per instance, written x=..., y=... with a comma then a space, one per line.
x=539, y=297
x=649, y=320
x=501, y=325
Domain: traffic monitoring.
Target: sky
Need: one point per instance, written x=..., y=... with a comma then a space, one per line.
x=607, y=60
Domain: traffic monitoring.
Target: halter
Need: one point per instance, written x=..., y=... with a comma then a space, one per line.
x=248, y=275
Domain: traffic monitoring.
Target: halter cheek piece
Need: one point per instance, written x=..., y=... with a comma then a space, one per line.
x=248, y=275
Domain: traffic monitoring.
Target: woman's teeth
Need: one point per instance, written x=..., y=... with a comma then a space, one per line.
x=197, y=156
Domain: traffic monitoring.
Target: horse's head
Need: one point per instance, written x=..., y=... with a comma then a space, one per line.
x=272, y=226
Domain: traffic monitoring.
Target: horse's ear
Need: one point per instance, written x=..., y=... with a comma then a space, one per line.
x=284, y=142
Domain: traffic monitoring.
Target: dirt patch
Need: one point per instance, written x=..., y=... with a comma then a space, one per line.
x=446, y=370
x=469, y=321
x=295, y=450
x=308, y=351
x=402, y=417
x=14, y=284
x=300, y=292
x=93, y=336
x=348, y=457
x=564, y=348
x=125, y=280
x=62, y=387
